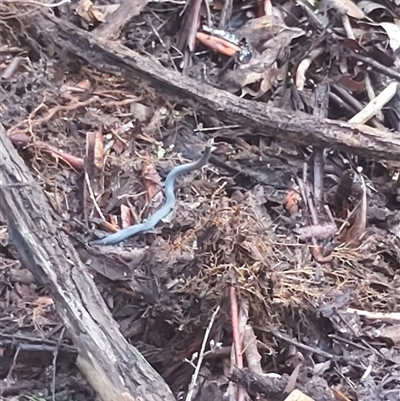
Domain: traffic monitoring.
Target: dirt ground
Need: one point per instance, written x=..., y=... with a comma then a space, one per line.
x=280, y=263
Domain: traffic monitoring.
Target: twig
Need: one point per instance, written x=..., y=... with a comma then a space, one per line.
x=14, y=362
x=22, y=139
x=378, y=66
x=52, y=112
x=242, y=324
x=235, y=328
x=161, y=40
x=92, y=197
x=37, y=3
x=201, y=355
x=226, y=14
x=304, y=66
x=253, y=357
x=308, y=348
x=383, y=317
x=9, y=71
x=55, y=355
x=375, y=105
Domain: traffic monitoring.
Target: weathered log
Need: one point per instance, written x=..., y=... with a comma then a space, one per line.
x=255, y=117
x=114, y=368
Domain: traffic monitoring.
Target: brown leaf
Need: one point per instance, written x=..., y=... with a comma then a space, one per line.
x=95, y=159
x=125, y=216
x=152, y=183
x=89, y=12
x=262, y=67
x=354, y=234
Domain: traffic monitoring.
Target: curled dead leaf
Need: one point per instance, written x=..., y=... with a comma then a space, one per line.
x=126, y=216
x=92, y=14
x=152, y=183
x=349, y=8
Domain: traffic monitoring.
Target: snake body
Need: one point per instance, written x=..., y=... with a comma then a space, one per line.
x=165, y=210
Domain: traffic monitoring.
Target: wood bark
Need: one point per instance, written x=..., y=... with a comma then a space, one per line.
x=254, y=117
x=114, y=368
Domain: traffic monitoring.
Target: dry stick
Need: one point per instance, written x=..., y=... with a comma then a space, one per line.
x=201, y=355
x=357, y=118
x=353, y=103
x=242, y=323
x=11, y=68
x=321, y=102
x=315, y=249
x=21, y=139
x=253, y=357
x=379, y=117
x=254, y=117
x=393, y=318
x=378, y=66
x=235, y=327
x=52, y=113
x=37, y=3
x=304, y=66
x=237, y=340
x=307, y=348
x=226, y=14
x=92, y=196
x=55, y=356
x=376, y=105
x=161, y=40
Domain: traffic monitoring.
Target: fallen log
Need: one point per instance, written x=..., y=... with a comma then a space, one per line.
x=115, y=369
x=254, y=117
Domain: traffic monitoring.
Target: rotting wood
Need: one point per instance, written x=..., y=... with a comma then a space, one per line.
x=113, y=367
x=253, y=116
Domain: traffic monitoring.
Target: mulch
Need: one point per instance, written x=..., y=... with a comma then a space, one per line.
x=278, y=272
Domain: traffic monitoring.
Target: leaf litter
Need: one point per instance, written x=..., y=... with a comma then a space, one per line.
x=299, y=245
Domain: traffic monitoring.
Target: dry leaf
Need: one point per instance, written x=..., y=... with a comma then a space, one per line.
x=370, y=6
x=393, y=32
x=125, y=216
x=153, y=184
x=262, y=67
x=339, y=395
x=89, y=12
x=349, y=8
x=142, y=112
x=392, y=332
x=118, y=146
x=354, y=234
x=107, y=9
x=297, y=395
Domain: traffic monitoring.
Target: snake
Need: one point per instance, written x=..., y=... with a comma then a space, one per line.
x=165, y=210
